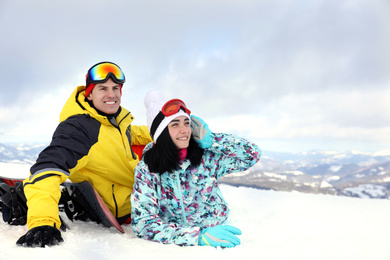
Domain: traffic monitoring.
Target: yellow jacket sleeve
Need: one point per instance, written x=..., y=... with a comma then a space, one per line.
x=140, y=135
x=43, y=193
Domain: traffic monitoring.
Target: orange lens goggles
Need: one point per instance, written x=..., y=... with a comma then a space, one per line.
x=173, y=106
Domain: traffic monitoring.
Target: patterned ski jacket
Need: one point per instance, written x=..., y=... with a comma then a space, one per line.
x=172, y=207
x=86, y=146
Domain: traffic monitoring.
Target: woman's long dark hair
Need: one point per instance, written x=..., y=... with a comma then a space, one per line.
x=164, y=155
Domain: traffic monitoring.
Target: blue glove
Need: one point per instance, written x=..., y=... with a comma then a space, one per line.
x=222, y=235
x=201, y=132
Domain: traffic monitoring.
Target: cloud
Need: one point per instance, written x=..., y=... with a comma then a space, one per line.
x=298, y=67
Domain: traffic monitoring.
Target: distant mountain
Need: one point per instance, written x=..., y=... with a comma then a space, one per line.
x=20, y=153
x=353, y=174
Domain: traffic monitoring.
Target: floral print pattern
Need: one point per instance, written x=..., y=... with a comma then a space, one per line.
x=172, y=207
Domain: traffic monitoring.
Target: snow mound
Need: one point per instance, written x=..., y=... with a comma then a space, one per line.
x=275, y=225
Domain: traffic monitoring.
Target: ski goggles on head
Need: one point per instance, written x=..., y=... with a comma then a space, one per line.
x=100, y=73
x=170, y=108
x=173, y=106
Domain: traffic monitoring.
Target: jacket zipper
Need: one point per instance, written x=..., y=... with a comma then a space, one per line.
x=116, y=205
x=128, y=132
x=181, y=198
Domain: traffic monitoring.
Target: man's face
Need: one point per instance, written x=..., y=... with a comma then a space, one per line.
x=106, y=96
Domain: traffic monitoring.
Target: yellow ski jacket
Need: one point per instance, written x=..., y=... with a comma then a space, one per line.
x=86, y=146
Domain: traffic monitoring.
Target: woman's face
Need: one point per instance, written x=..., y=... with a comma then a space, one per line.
x=180, y=131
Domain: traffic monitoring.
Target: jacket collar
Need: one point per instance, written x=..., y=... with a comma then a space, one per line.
x=78, y=105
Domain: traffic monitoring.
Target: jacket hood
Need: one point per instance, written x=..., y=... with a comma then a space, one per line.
x=76, y=104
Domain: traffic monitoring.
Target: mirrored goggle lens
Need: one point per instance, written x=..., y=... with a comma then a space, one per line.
x=101, y=71
x=173, y=106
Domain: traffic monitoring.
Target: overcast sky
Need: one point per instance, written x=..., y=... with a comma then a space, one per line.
x=290, y=75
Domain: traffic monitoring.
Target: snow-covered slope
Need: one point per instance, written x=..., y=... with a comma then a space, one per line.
x=275, y=225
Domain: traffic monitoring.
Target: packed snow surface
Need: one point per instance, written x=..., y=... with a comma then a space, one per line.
x=275, y=225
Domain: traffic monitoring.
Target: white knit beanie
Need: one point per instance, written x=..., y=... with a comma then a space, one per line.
x=154, y=102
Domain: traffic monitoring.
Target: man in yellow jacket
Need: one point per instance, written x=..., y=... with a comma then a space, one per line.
x=94, y=142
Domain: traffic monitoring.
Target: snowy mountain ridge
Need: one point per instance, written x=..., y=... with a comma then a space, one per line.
x=20, y=153
x=352, y=174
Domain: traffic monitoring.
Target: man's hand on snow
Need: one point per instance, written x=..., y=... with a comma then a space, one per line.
x=40, y=237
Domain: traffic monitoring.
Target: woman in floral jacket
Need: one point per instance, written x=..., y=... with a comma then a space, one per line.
x=175, y=197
